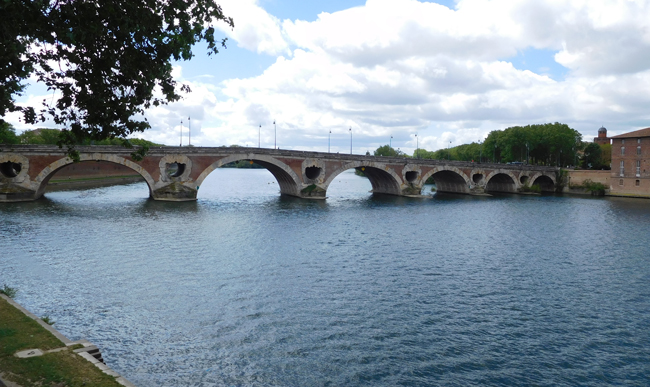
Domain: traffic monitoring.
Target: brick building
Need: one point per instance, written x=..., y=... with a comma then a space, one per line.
x=602, y=136
x=631, y=164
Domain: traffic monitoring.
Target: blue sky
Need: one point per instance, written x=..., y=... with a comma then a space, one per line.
x=446, y=70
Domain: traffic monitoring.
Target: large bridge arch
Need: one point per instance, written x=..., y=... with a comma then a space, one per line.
x=383, y=179
x=288, y=180
x=545, y=182
x=502, y=180
x=43, y=178
x=448, y=179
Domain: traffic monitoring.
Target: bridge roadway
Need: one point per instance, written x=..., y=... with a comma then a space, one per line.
x=176, y=173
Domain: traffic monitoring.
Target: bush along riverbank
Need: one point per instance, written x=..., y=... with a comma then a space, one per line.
x=32, y=353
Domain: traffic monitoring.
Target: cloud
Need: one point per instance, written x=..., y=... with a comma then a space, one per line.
x=255, y=29
x=400, y=67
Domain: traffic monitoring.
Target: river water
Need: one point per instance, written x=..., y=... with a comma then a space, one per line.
x=247, y=288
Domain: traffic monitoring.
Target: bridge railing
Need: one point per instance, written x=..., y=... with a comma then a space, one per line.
x=193, y=150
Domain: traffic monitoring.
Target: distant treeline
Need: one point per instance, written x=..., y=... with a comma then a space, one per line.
x=51, y=136
x=545, y=144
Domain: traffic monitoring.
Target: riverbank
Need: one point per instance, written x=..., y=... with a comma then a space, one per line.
x=33, y=353
x=68, y=184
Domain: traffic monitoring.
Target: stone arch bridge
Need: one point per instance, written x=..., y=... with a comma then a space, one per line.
x=176, y=173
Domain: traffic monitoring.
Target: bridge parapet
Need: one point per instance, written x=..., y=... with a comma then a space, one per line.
x=176, y=173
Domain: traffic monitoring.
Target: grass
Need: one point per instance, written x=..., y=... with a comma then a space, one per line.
x=19, y=332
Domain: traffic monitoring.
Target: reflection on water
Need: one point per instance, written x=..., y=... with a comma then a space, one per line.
x=247, y=287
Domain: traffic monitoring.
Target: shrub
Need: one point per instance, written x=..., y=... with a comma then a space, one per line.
x=9, y=291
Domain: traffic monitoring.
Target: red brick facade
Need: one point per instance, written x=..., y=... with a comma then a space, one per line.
x=631, y=164
x=602, y=136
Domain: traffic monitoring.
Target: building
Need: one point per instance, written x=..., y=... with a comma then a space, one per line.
x=630, y=175
x=602, y=136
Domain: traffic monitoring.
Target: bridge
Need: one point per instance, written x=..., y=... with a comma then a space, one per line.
x=176, y=173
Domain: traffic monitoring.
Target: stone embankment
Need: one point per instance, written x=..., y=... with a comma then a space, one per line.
x=577, y=177
x=83, y=348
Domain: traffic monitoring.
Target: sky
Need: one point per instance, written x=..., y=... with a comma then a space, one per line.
x=410, y=73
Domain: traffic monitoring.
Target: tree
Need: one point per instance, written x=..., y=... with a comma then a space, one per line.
x=592, y=156
x=386, y=150
x=108, y=59
x=7, y=133
x=548, y=144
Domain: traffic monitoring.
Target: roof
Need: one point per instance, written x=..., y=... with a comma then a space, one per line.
x=637, y=133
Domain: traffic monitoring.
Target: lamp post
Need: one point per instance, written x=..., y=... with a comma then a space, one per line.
x=275, y=135
x=329, y=141
x=417, y=147
x=480, y=151
x=189, y=130
x=350, y=140
x=448, y=152
x=527, y=153
x=181, y=133
x=495, y=152
x=259, y=136
x=390, y=143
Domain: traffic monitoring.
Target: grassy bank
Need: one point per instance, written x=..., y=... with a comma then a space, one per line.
x=62, y=368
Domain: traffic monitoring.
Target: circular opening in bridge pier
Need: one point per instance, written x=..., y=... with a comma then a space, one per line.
x=523, y=179
x=9, y=169
x=411, y=176
x=313, y=172
x=175, y=169
x=477, y=178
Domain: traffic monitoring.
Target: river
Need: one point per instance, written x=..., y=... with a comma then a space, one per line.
x=247, y=288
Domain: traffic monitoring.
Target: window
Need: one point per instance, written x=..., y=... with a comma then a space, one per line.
x=638, y=141
x=622, y=168
x=637, y=183
x=622, y=151
x=623, y=142
x=638, y=150
x=638, y=168
x=620, y=182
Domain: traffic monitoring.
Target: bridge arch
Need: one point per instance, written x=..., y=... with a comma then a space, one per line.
x=545, y=182
x=448, y=179
x=382, y=178
x=288, y=180
x=502, y=180
x=43, y=178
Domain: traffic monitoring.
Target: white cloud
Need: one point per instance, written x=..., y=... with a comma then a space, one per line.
x=255, y=29
x=397, y=67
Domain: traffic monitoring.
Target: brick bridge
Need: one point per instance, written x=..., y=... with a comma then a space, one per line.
x=176, y=174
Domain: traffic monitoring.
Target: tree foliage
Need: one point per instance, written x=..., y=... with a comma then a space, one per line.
x=7, y=133
x=51, y=137
x=547, y=144
x=592, y=156
x=108, y=60
x=387, y=150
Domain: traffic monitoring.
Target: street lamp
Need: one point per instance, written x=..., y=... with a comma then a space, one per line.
x=495, y=153
x=448, y=152
x=275, y=135
x=189, y=129
x=527, y=153
x=417, y=147
x=329, y=141
x=259, y=137
x=390, y=143
x=480, y=151
x=350, y=140
x=181, y=133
